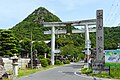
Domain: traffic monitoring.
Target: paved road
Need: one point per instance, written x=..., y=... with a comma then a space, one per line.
x=66, y=72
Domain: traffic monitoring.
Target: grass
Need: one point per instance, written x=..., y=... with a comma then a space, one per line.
x=86, y=70
x=26, y=72
x=114, y=73
x=112, y=64
x=102, y=75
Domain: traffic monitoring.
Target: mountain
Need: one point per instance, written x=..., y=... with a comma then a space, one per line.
x=33, y=24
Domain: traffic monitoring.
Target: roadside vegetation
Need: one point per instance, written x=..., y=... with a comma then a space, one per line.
x=114, y=72
x=26, y=71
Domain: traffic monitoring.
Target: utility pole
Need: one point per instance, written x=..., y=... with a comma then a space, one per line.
x=31, y=52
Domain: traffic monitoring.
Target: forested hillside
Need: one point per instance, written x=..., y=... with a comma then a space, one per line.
x=112, y=37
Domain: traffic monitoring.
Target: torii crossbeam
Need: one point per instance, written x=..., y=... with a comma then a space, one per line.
x=72, y=23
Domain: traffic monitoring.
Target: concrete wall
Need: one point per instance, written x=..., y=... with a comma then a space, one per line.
x=23, y=62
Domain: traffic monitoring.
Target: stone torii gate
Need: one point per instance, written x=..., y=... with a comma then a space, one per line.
x=80, y=23
x=85, y=23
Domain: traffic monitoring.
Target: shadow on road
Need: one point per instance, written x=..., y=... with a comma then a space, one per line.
x=75, y=66
x=69, y=73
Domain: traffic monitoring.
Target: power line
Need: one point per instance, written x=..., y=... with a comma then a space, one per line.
x=115, y=13
x=110, y=12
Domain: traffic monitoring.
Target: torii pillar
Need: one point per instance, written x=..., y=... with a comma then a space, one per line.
x=87, y=43
x=52, y=44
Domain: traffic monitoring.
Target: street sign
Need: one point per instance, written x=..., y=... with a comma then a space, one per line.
x=112, y=57
x=57, y=51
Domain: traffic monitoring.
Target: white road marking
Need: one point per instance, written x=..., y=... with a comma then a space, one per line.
x=60, y=71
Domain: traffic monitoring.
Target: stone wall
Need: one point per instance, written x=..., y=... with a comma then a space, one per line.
x=23, y=63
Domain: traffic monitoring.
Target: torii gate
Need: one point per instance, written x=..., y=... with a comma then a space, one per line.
x=85, y=23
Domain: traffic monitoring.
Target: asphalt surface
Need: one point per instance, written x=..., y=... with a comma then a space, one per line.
x=67, y=72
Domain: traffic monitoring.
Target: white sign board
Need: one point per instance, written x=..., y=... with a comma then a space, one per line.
x=57, y=51
x=112, y=57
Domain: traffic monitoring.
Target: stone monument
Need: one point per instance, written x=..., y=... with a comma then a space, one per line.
x=2, y=70
x=15, y=65
x=36, y=61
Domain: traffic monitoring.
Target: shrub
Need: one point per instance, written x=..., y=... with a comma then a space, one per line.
x=40, y=57
x=83, y=69
x=49, y=61
x=66, y=62
x=58, y=62
x=86, y=70
x=44, y=62
x=76, y=60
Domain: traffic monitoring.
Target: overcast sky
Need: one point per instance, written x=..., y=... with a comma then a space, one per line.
x=14, y=11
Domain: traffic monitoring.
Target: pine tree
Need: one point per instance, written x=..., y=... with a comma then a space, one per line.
x=8, y=43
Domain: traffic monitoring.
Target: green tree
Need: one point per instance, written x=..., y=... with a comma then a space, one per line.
x=25, y=45
x=8, y=43
x=63, y=41
x=41, y=47
x=72, y=51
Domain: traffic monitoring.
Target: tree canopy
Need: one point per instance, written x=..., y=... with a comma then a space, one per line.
x=41, y=47
x=8, y=43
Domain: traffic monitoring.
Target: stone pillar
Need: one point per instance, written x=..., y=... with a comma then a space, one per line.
x=98, y=65
x=99, y=36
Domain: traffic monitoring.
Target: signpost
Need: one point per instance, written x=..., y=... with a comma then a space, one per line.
x=112, y=57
